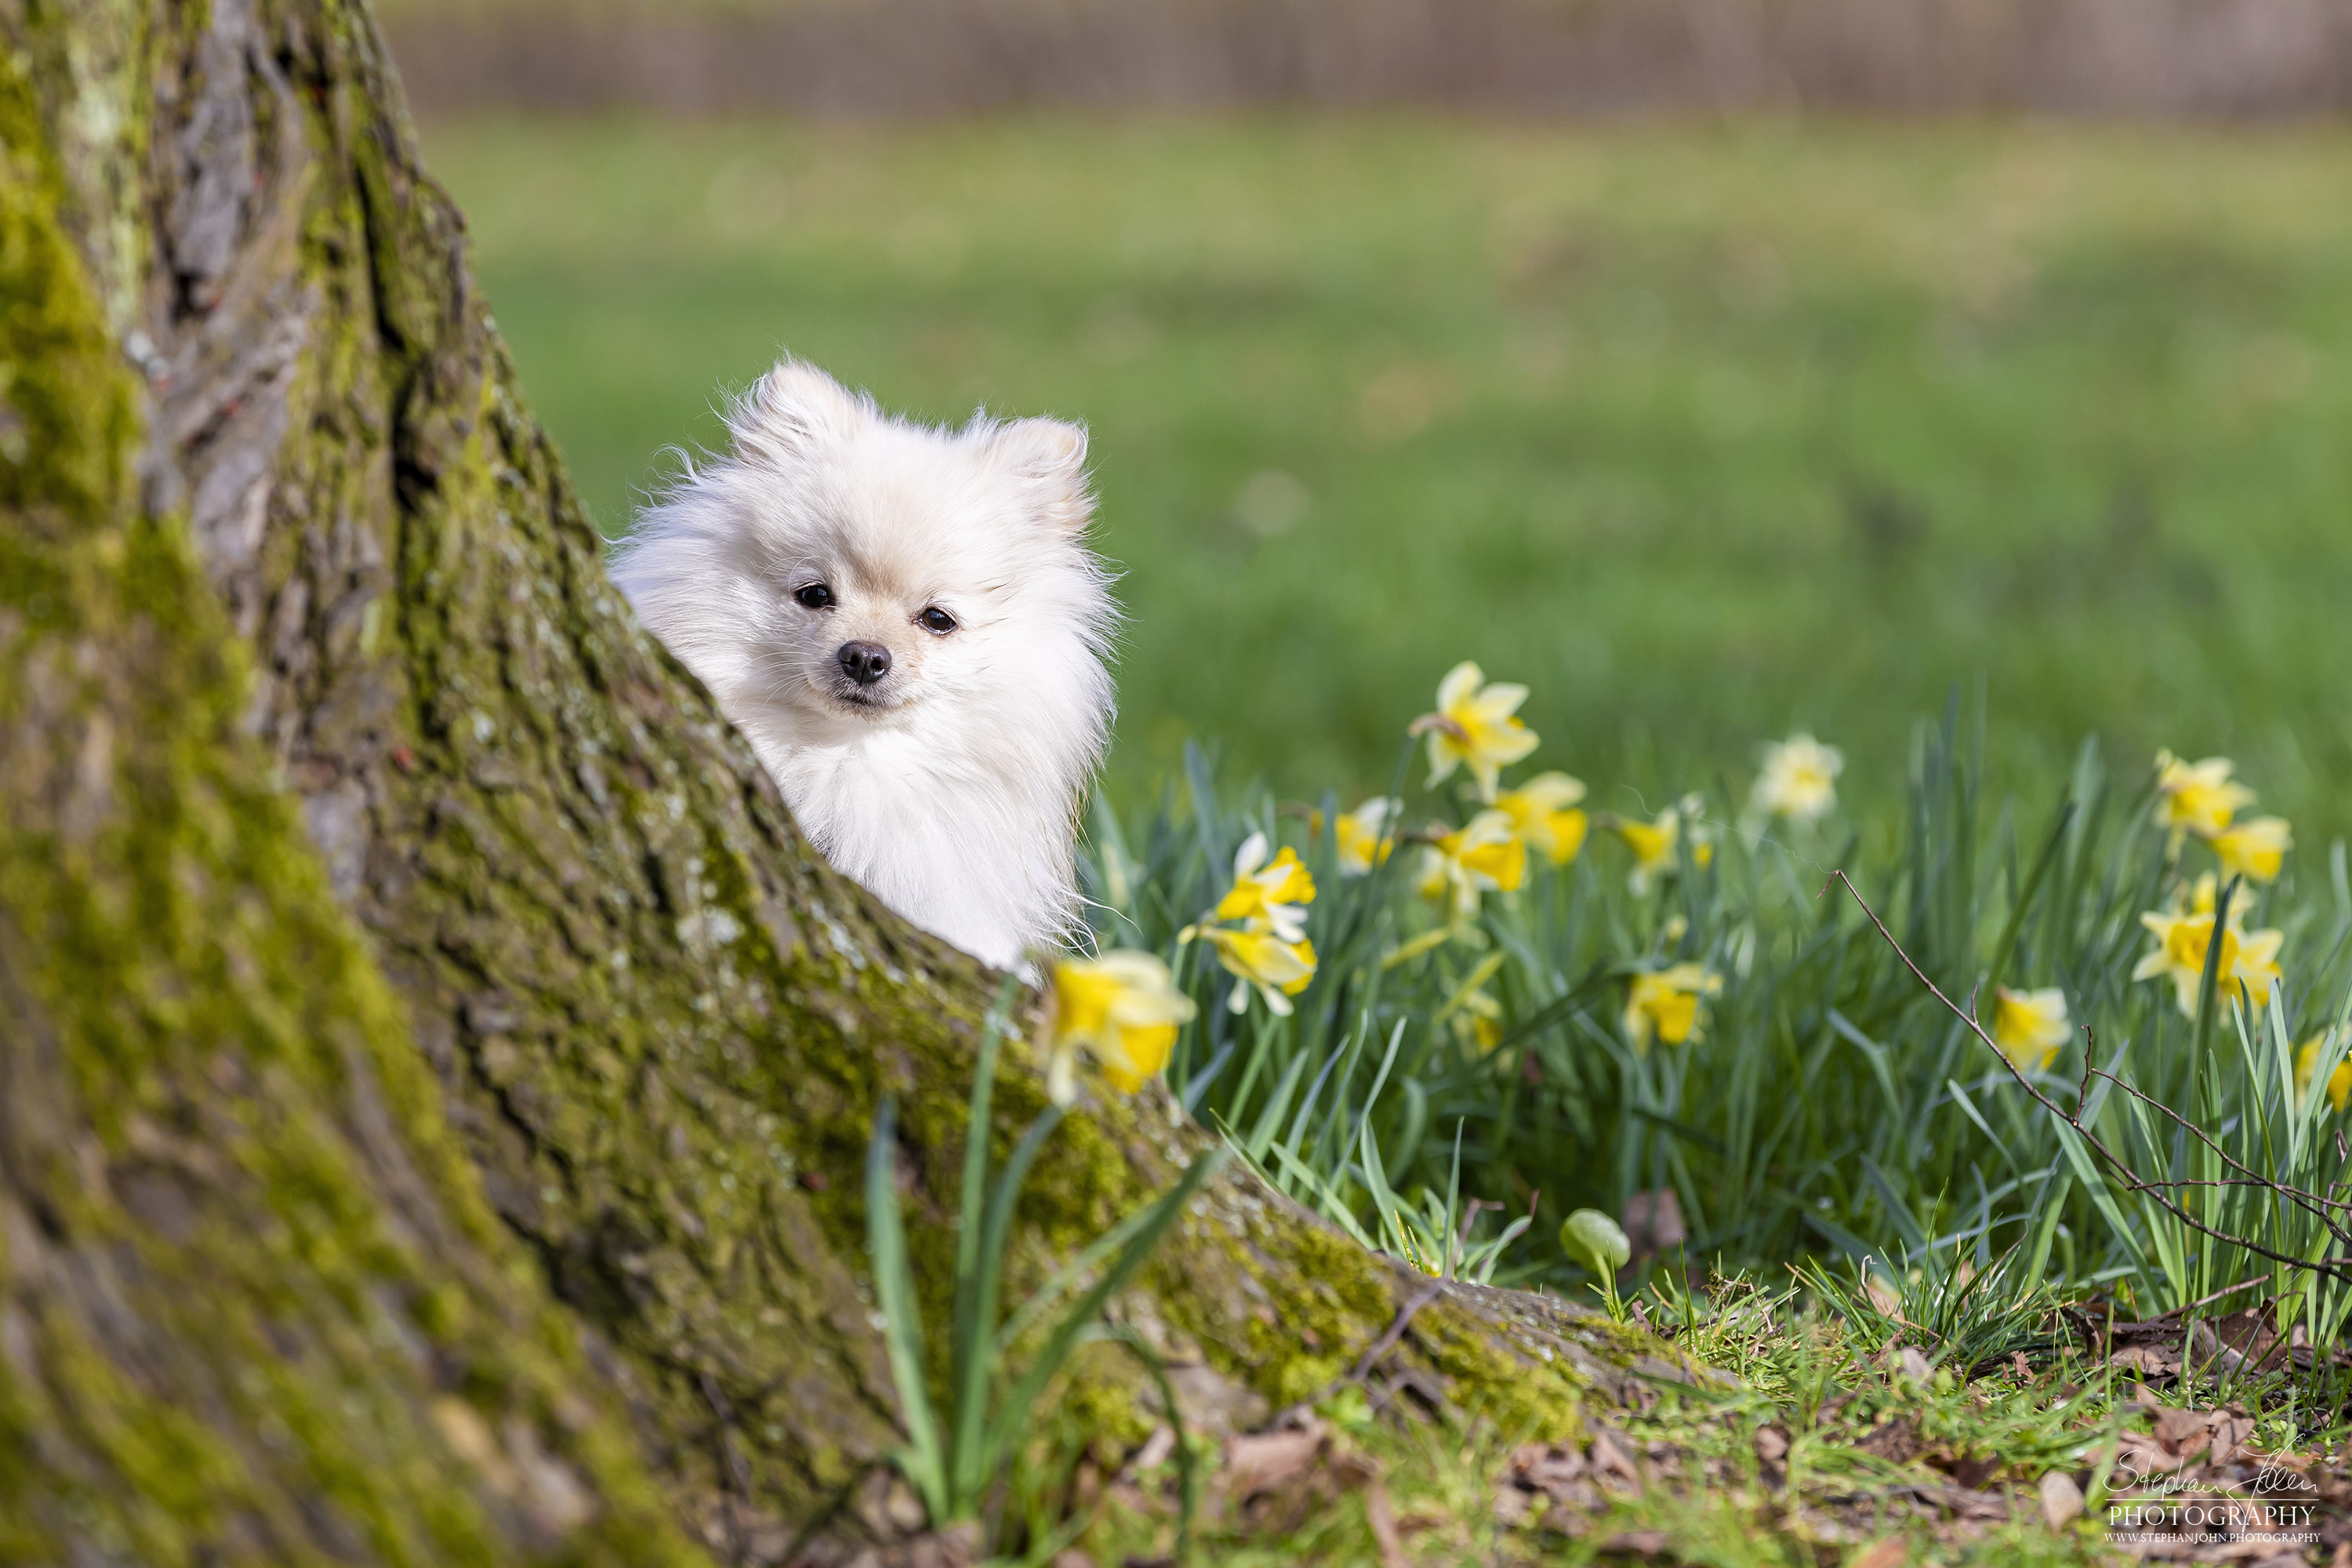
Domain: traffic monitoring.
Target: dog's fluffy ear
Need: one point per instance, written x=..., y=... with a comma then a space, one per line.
x=1051, y=453
x=794, y=409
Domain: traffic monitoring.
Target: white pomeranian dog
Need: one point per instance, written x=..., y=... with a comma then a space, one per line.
x=906, y=624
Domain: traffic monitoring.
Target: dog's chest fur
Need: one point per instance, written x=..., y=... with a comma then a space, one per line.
x=972, y=847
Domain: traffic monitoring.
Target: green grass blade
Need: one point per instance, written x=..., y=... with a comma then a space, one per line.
x=974, y=1267
x=923, y=1460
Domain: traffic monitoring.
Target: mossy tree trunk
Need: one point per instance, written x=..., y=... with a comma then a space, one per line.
x=433, y=1072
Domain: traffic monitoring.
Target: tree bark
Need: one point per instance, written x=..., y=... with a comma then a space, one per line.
x=432, y=1072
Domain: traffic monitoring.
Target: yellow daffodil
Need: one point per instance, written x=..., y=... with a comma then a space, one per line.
x=2197, y=797
x=1653, y=844
x=2255, y=848
x=1482, y=855
x=1543, y=813
x=1261, y=960
x=1367, y=835
x=1798, y=781
x=1475, y=727
x=2258, y=966
x=1272, y=893
x=1476, y=1017
x=1123, y=1009
x=2029, y=1027
x=1479, y=1022
x=2248, y=961
x=2306, y=1064
x=1663, y=1005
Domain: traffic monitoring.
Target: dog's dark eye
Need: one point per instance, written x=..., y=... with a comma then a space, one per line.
x=937, y=620
x=815, y=596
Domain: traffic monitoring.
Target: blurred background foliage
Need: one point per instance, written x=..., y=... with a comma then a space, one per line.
x=1704, y=431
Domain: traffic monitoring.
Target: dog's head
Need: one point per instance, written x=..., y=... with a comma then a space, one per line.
x=841, y=568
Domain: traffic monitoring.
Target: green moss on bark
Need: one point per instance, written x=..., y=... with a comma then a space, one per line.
x=253, y=1306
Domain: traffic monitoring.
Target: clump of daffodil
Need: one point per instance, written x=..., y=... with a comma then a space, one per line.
x=2306, y=1066
x=2029, y=1027
x=1123, y=1009
x=2255, y=848
x=1266, y=948
x=1798, y=781
x=1475, y=727
x=1483, y=855
x=1366, y=836
x=2197, y=797
x=1543, y=813
x=1663, y=1005
x=2248, y=962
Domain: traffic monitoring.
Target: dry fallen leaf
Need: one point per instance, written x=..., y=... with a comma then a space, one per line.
x=2062, y=1500
x=1381, y=1517
x=1264, y=1461
x=1892, y=1553
x=2183, y=1432
x=2229, y=1430
x=1610, y=1457
x=2152, y=1361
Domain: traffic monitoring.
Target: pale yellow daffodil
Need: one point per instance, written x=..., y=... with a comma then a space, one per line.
x=1261, y=960
x=2029, y=1027
x=2248, y=963
x=1543, y=813
x=2197, y=797
x=1124, y=1008
x=1366, y=836
x=1651, y=846
x=2255, y=848
x=1798, y=781
x=2306, y=1064
x=1483, y=855
x=1475, y=726
x=1272, y=891
x=1663, y=1005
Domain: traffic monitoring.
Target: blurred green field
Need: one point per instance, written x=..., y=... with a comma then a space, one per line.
x=1704, y=434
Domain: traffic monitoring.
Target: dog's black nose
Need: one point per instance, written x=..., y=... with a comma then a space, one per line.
x=865, y=662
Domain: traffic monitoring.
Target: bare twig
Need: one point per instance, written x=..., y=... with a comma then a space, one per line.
x=2222, y=1294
